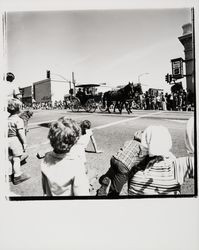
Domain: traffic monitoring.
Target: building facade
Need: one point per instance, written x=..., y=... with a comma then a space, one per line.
x=49, y=90
x=187, y=42
x=26, y=93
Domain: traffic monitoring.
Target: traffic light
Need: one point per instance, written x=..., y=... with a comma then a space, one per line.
x=170, y=78
x=48, y=74
x=167, y=78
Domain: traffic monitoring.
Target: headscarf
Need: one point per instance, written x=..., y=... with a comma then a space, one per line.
x=189, y=136
x=158, y=141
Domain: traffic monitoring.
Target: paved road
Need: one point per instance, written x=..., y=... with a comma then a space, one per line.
x=110, y=131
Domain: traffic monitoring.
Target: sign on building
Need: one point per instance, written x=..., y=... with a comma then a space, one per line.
x=177, y=68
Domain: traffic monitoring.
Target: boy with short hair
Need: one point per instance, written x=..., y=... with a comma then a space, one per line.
x=63, y=173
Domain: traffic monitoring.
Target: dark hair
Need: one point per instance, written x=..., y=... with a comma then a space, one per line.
x=10, y=77
x=86, y=124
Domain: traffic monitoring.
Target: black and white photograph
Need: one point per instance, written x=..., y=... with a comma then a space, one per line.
x=101, y=103
x=100, y=108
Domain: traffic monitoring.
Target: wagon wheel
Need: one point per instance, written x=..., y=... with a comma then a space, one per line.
x=102, y=107
x=90, y=106
x=75, y=104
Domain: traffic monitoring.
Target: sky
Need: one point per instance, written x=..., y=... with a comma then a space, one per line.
x=99, y=46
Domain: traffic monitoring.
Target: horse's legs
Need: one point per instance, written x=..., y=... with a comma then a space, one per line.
x=128, y=107
x=117, y=105
x=121, y=107
x=107, y=109
x=108, y=106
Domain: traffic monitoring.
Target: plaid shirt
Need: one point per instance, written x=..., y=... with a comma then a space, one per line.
x=131, y=154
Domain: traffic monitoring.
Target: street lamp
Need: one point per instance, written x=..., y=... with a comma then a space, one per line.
x=141, y=75
x=65, y=80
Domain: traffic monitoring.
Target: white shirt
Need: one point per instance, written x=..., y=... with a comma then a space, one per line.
x=65, y=175
x=79, y=148
x=11, y=89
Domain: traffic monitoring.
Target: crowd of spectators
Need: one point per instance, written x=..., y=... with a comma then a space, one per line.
x=178, y=101
x=49, y=105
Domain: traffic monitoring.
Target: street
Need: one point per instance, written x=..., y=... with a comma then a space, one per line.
x=110, y=132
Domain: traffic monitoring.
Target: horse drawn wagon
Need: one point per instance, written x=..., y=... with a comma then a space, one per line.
x=88, y=98
x=85, y=97
x=123, y=96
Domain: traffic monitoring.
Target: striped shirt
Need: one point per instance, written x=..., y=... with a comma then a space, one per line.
x=131, y=154
x=164, y=177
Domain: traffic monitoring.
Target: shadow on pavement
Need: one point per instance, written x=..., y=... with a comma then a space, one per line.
x=46, y=125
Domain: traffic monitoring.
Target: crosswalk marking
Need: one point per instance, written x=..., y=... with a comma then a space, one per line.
x=98, y=127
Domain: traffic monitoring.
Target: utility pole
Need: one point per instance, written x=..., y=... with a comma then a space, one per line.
x=73, y=81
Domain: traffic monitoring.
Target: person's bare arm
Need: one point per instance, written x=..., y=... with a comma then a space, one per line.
x=95, y=145
x=22, y=138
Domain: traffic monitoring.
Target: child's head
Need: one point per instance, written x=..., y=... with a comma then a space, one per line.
x=73, y=124
x=138, y=135
x=63, y=134
x=86, y=124
x=14, y=106
x=10, y=77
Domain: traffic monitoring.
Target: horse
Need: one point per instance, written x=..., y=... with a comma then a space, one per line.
x=118, y=96
x=132, y=102
x=122, y=97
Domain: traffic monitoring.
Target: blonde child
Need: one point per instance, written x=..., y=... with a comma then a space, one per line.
x=62, y=171
x=16, y=141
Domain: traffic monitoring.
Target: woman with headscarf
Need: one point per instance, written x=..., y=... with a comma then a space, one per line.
x=164, y=174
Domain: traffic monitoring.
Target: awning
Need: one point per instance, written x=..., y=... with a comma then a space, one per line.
x=88, y=85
